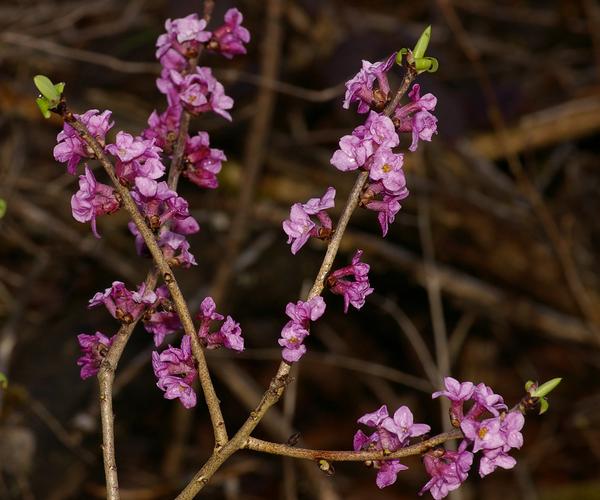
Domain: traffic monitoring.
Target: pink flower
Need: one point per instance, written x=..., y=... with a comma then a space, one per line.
x=229, y=39
x=92, y=200
x=176, y=371
x=202, y=162
x=94, y=349
x=300, y=227
x=296, y=330
x=122, y=304
x=415, y=117
x=361, y=89
x=229, y=335
x=355, y=290
x=71, y=148
x=447, y=471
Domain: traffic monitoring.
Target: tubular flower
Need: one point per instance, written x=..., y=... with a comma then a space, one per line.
x=448, y=470
x=229, y=335
x=369, y=87
x=93, y=349
x=175, y=371
x=356, y=290
x=229, y=39
x=300, y=227
x=122, y=304
x=297, y=329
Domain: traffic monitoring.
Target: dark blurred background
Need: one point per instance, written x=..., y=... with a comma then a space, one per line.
x=494, y=253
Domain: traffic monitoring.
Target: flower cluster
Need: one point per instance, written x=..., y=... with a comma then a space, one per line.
x=93, y=351
x=122, y=304
x=494, y=437
x=160, y=319
x=296, y=329
x=139, y=165
x=71, y=148
x=300, y=227
x=390, y=434
x=229, y=335
x=175, y=370
x=356, y=290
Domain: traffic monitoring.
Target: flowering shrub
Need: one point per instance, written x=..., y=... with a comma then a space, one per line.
x=161, y=222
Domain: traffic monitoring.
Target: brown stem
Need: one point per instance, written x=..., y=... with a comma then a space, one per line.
x=350, y=456
x=279, y=381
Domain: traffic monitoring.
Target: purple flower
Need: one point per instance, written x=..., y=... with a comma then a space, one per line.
x=457, y=393
x=94, y=349
x=160, y=320
x=300, y=227
x=387, y=205
x=92, y=200
x=163, y=128
x=230, y=38
x=357, y=149
x=199, y=91
x=403, y=426
x=175, y=248
x=175, y=371
x=356, y=290
x=122, y=304
x=182, y=38
x=229, y=334
x=485, y=400
x=296, y=330
x=71, y=148
x=415, y=117
x=387, y=168
x=448, y=470
x=391, y=434
x=496, y=437
x=202, y=162
x=136, y=158
x=360, y=88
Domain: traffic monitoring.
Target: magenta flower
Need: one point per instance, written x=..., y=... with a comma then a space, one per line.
x=391, y=434
x=202, y=162
x=485, y=400
x=163, y=127
x=361, y=88
x=448, y=470
x=229, y=334
x=415, y=117
x=230, y=38
x=297, y=329
x=300, y=227
x=357, y=149
x=136, y=157
x=457, y=393
x=403, y=426
x=355, y=290
x=199, y=91
x=181, y=40
x=175, y=248
x=176, y=371
x=387, y=168
x=71, y=148
x=122, y=304
x=161, y=320
x=94, y=349
x=92, y=200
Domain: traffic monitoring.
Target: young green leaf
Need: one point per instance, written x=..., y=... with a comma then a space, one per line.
x=546, y=388
x=42, y=103
x=2, y=207
x=47, y=88
x=3, y=381
x=422, y=43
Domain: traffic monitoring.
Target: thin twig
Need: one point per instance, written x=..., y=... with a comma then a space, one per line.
x=350, y=456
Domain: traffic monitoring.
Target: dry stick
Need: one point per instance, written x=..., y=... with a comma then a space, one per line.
x=350, y=456
x=279, y=381
x=559, y=244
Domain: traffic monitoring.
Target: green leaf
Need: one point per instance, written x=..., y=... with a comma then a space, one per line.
x=47, y=88
x=546, y=388
x=543, y=406
x=44, y=106
x=2, y=207
x=401, y=53
x=422, y=43
x=528, y=385
x=60, y=88
x=3, y=381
